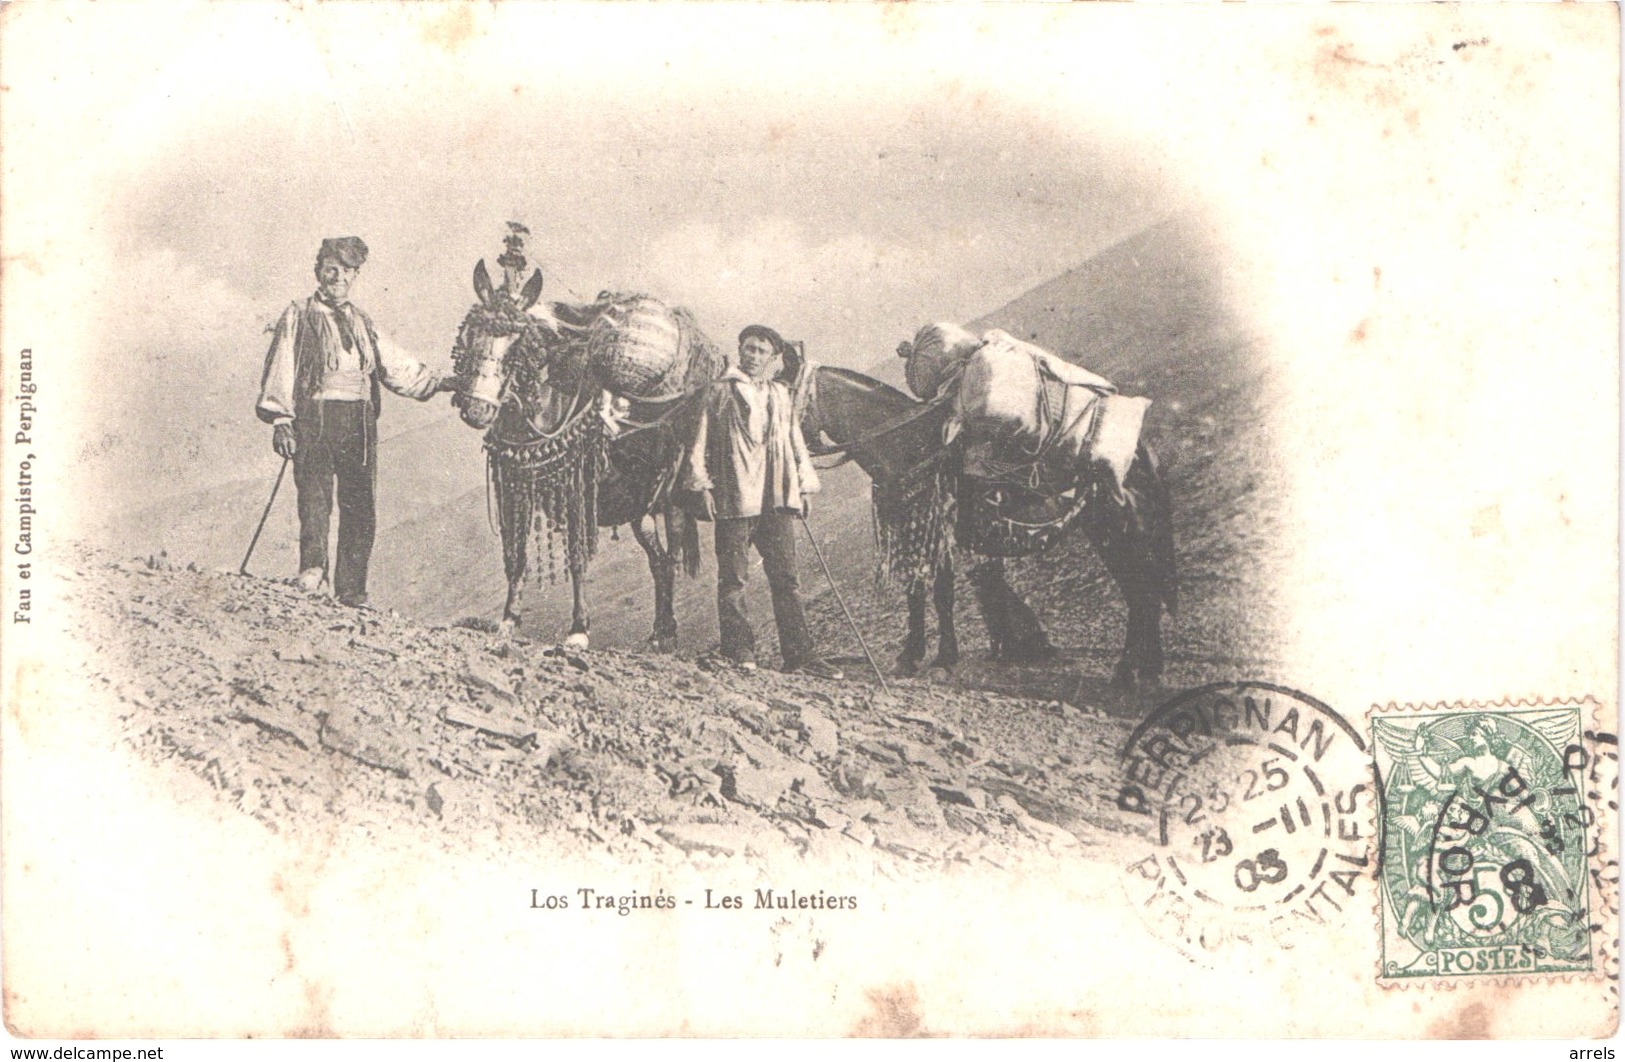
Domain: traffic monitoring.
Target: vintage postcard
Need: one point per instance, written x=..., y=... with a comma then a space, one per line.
x=643, y=520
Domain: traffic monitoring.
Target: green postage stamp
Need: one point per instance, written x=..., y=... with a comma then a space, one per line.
x=1490, y=832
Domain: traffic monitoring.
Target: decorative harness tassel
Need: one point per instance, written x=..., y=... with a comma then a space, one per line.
x=548, y=485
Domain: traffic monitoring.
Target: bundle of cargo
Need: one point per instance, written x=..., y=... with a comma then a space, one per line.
x=936, y=356
x=1028, y=414
x=1115, y=436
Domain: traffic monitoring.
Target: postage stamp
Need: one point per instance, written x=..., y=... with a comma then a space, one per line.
x=1489, y=841
x=1261, y=805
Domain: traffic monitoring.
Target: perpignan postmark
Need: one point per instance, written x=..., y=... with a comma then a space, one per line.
x=1259, y=802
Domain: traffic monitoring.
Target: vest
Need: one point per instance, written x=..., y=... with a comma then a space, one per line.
x=310, y=356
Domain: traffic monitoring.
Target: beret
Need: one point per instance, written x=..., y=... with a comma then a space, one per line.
x=349, y=250
x=773, y=338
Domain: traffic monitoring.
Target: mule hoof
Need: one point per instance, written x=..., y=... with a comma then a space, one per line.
x=507, y=627
x=907, y=666
x=664, y=644
x=939, y=676
x=576, y=642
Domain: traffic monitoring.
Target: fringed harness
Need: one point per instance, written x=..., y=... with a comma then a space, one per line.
x=911, y=512
x=550, y=481
x=913, y=518
x=921, y=514
x=1016, y=506
x=547, y=482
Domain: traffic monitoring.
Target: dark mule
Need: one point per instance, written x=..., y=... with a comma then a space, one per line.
x=556, y=464
x=923, y=502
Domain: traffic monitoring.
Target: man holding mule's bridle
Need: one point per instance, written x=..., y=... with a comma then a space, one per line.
x=320, y=391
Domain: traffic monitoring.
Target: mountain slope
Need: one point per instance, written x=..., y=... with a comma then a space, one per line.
x=417, y=470
x=307, y=715
x=1152, y=314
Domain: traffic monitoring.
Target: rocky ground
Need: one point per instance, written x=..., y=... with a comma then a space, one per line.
x=307, y=715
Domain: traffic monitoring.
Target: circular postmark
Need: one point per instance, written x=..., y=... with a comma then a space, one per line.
x=1260, y=811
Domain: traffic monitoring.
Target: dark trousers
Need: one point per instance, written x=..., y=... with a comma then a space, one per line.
x=337, y=442
x=773, y=535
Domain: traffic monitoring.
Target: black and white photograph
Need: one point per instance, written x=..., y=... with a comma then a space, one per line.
x=809, y=520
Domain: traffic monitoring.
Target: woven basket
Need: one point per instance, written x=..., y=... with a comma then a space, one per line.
x=634, y=346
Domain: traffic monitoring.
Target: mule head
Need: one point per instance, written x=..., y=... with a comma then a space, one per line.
x=820, y=396
x=806, y=401
x=522, y=297
x=883, y=430
x=501, y=350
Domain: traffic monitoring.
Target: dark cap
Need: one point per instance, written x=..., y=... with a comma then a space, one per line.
x=349, y=250
x=764, y=332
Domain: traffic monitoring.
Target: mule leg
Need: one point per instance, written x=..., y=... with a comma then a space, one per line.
x=1126, y=555
x=1031, y=642
x=942, y=595
x=663, y=567
x=1136, y=540
x=515, y=570
x=1145, y=626
x=514, y=516
x=1139, y=669
x=1125, y=676
x=665, y=631
x=575, y=539
x=990, y=606
x=908, y=661
x=1013, y=627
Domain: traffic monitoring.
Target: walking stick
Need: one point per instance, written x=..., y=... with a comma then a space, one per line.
x=838, y=600
x=243, y=569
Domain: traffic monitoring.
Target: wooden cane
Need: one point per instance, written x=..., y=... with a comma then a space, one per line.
x=243, y=568
x=839, y=601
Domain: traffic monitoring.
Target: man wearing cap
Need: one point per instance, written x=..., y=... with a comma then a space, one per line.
x=320, y=390
x=749, y=464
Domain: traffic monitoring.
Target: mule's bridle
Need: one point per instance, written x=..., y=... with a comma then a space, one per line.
x=864, y=442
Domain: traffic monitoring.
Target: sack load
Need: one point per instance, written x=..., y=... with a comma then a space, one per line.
x=1050, y=364
x=936, y=356
x=635, y=347
x=1029, y=416
x=1014, y=389
x=1115, y=435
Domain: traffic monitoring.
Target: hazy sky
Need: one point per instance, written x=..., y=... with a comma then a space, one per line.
x=839, y=178
x=841, y=225
x=845, y=172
